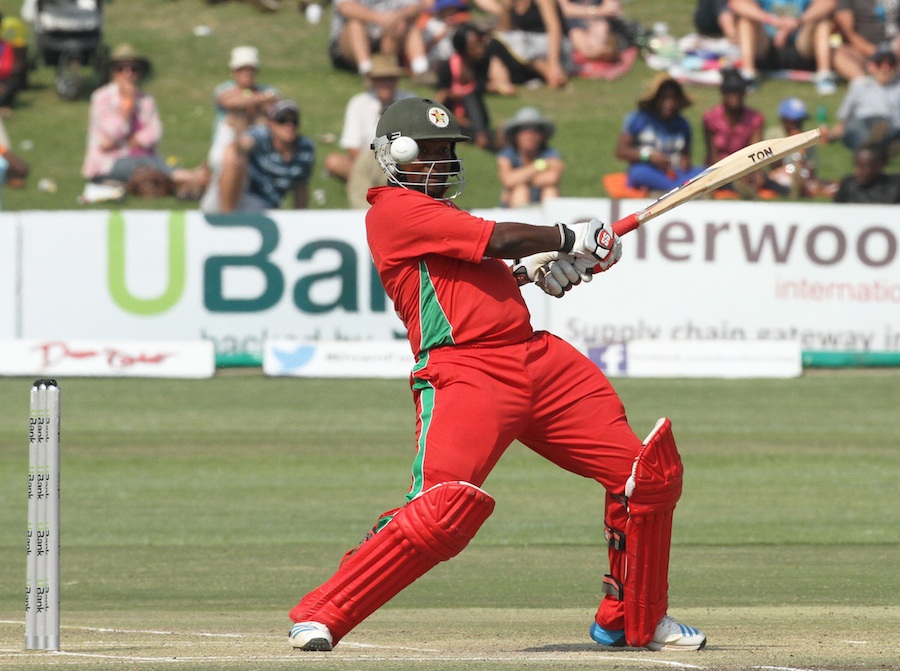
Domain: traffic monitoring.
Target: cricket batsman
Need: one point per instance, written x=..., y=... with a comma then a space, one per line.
x=483, y=377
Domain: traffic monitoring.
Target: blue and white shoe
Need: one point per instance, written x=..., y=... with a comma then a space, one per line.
x=826, y=84
x=311, y=636
x=613, y=638
x=669, y=635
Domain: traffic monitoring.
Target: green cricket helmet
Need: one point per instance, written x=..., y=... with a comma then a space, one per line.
x=399, y=129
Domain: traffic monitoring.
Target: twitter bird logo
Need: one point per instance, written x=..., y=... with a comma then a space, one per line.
x=294, y=358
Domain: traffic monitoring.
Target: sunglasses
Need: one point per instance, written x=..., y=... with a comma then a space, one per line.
x=286, y=120
x=885, y=60
x=127, y=67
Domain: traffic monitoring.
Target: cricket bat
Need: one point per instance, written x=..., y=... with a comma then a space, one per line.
x=730, y=168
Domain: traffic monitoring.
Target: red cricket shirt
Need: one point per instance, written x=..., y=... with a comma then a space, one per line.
x=430, y=257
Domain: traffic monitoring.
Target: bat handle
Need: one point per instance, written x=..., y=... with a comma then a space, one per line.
x=626, y=225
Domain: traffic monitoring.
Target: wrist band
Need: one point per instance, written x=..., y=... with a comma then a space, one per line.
x=645, y=154
x=566, y=238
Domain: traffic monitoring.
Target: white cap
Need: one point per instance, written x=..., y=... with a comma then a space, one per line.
x=244, y=57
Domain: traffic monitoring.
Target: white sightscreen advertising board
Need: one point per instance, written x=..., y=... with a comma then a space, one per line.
x=824, y=275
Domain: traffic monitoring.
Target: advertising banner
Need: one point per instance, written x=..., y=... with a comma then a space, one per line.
x=699, y=358
x=107, y=358
x=235, y=281
x=827, y=276
x=823, y=275
x=357, y=359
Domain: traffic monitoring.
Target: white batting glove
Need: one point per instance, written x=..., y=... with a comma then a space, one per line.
x=554, y=272
x=596, y=243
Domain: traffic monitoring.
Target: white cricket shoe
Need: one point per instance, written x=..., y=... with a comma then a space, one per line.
x=670, y=635
x=311, y=636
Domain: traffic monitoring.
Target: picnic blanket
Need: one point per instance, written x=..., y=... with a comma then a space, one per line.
x=695, y=59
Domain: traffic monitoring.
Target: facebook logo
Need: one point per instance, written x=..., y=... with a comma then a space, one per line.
x=611, y=359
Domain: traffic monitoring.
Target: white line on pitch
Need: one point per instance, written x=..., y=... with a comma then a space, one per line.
x=429, y=658
x=784, y=668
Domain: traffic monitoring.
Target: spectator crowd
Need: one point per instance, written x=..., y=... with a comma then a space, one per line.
x=466, y=54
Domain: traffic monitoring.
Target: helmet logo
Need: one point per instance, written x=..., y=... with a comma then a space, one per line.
x=438, y=117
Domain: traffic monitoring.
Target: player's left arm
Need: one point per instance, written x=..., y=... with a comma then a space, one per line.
x=584, y=249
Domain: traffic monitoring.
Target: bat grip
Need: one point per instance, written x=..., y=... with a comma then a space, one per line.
x=626, y=225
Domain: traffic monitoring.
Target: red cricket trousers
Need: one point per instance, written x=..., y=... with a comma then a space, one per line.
x=472, y=402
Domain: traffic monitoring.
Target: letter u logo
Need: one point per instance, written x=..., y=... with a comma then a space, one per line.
x=116, y=267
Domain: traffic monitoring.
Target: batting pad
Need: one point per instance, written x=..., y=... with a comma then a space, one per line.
x=431, y=528
x=652, y=490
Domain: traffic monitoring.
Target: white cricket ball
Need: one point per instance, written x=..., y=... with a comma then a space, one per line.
x=404, y=149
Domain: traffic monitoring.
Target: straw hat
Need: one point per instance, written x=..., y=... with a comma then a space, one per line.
x=125, y=53
x=663, y=79
x=385, y=65
x=529, y=117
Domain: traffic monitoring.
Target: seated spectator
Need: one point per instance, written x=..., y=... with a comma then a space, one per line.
x=124, y=129
x=870, y=112
x=356, y=164
x=360, y=28
x=13, y=168
x=13, y=63
x=795, y=175
x=656, y=139
x=531, y=43
x=590, y=28
x=786, y=34
x=869, y=183
x=438, y=23
x=863, y=25
x=713, y=19
x=731, y=125
x=463, y=82
x=239, y=102
x=263, y=164
x=530, y=170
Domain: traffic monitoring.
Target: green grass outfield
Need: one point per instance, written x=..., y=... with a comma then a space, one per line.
x=588, y=113
x=196, y=513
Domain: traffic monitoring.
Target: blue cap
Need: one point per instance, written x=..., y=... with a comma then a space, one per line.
x=793, y=109
x=440, y=5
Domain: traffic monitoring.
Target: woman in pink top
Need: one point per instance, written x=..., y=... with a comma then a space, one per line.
x=124, y=128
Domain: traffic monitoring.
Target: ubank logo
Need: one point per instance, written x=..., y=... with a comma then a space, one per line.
x=347, y=273
x=115, y=273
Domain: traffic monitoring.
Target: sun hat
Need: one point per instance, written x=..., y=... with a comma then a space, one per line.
x=125, y=53
x=528, y=117
x=793, y=109
x=654, y=88
x=385, y=65
x=244, y=57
